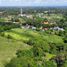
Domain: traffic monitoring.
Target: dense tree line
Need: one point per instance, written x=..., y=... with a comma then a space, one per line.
x=7, y=26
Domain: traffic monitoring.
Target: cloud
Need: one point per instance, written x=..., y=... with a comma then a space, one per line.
x=32, y=2
x=36, y=1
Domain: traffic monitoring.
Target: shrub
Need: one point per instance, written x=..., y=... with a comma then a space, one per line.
x=49, y=64
x=9, y=37
x=22, y=62
x=65, y=40
x=24, y=53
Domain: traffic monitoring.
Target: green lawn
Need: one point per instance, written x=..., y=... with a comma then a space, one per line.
x=26, y=34
x=49, y=56
x=8, y=49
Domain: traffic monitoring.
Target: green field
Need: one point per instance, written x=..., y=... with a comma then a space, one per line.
x=26, y=34
x=8, y=47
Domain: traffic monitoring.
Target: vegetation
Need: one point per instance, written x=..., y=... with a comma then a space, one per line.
x=39, y=40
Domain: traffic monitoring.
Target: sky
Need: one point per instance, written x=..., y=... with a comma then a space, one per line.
x=33, y=2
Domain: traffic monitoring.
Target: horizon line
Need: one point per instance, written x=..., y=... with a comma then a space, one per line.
x=36, y=6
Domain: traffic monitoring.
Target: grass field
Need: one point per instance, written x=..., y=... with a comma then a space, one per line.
x=26, y=34
x=8, y=47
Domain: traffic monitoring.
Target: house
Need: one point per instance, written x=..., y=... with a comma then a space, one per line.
x=45, y=22
x=58, y=28
x=45, y=29
x=1, y=13
x=34, y=28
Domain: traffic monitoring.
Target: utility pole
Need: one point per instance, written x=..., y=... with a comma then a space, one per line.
x=21, y=11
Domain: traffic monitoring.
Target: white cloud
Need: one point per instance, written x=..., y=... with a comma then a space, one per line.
x=32, y=2
x=21, y=1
